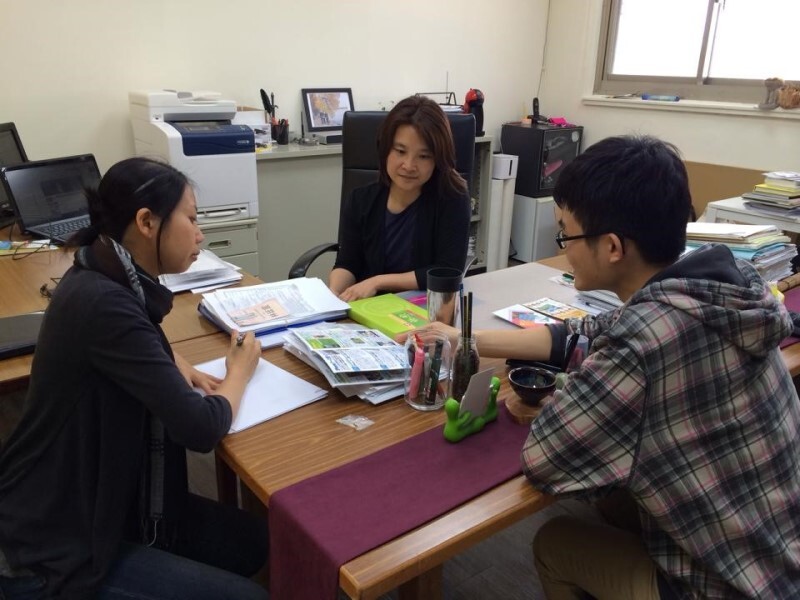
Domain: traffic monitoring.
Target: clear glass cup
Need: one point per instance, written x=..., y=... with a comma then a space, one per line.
x=466, y=363
x=426, y=381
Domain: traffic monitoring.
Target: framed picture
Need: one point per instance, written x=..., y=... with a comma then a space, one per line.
x=325, y=107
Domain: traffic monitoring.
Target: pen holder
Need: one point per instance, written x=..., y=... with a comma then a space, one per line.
x=280, y=133
x=426, y=379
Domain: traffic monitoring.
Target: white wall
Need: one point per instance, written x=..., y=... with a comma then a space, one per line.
x=570, y=56
x=68, y=66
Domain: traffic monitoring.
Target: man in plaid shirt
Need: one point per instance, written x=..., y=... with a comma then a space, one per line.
x=682, y=420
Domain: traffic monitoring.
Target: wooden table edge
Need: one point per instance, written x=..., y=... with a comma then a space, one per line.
x=397, y=562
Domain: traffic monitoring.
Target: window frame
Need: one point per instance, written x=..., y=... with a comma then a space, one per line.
x=694, y=88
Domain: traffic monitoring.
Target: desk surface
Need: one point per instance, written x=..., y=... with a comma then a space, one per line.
x=292, y=150
x=309, y=441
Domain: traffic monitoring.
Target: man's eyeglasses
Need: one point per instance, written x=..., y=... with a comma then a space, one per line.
x=562, y=239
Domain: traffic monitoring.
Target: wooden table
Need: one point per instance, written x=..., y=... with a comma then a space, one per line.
x=309, y=441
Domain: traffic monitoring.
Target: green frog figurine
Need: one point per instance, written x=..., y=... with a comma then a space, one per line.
x=457, y=427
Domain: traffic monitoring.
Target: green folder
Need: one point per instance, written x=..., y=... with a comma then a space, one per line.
x=388, y=313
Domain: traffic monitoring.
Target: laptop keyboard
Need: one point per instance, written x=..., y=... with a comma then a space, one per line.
x=65, y=228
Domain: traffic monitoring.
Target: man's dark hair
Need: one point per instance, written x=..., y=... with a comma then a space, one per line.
x=634, y=186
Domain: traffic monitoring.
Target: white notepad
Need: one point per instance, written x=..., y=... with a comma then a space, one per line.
x=271, y=392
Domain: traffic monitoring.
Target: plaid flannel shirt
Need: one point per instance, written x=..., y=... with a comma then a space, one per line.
x=684, y=401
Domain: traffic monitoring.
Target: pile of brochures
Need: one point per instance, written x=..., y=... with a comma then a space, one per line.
x=357, y=361
x=270, y=308
x=207, y=272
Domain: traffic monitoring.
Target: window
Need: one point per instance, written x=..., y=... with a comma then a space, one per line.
x=700, y=49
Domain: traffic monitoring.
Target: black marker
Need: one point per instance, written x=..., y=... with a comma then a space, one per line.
x=265, y=101
x=436, y=365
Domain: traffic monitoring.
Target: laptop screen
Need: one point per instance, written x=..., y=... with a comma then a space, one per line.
x=47, y=191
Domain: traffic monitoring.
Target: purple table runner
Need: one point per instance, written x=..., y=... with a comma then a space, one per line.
x=323, y=522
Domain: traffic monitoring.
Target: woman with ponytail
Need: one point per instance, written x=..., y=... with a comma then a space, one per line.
x=93, y=487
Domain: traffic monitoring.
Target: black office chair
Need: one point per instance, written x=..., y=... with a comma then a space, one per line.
x=360, y=163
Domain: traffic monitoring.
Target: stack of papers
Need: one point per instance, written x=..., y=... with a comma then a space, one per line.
x=778, y=195
x=357, y=361
x=750, y=237
x=271, y=391
x=597, y=301
x=207, y=272
x=763, y=245
x=272, y=307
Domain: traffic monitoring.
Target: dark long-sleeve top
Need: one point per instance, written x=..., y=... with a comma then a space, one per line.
x=440, y=240
x=70, y=472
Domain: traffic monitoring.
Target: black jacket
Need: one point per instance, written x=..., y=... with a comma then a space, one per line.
x=70, y=472
x=440, y=240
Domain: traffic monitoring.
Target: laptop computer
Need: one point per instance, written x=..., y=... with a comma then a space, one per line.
x=18, y=334
x=48, y=195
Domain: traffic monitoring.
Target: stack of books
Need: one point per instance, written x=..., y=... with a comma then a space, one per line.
x=778, y=195
x=357, y=361
x=765, y=246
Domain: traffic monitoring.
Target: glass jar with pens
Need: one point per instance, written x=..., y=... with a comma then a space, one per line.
x=428, y=374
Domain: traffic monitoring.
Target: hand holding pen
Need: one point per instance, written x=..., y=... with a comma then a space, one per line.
x=243, y=352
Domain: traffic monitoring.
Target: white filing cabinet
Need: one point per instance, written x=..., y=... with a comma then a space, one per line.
x=534, y=228
x=234, y=241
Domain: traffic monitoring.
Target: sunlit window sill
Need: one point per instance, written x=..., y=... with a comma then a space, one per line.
x=694, y=106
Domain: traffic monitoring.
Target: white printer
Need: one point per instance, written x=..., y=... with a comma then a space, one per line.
x=192, y=131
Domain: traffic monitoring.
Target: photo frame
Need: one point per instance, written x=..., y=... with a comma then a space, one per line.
x=325, y=107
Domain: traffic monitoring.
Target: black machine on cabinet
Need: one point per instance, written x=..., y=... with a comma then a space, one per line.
x=543, y=150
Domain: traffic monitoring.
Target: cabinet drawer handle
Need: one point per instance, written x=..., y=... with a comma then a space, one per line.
x=219, y=244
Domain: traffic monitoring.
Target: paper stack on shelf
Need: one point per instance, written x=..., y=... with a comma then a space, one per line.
x=357, y=361
x=271, y=307
x=207, y=271
x=763, y=245
x=778, y=195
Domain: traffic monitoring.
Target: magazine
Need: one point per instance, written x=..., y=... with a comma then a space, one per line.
x=556, y=309
x=345, y=350
x=524, y=317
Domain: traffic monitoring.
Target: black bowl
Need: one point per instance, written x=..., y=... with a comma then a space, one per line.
x=532, y=383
